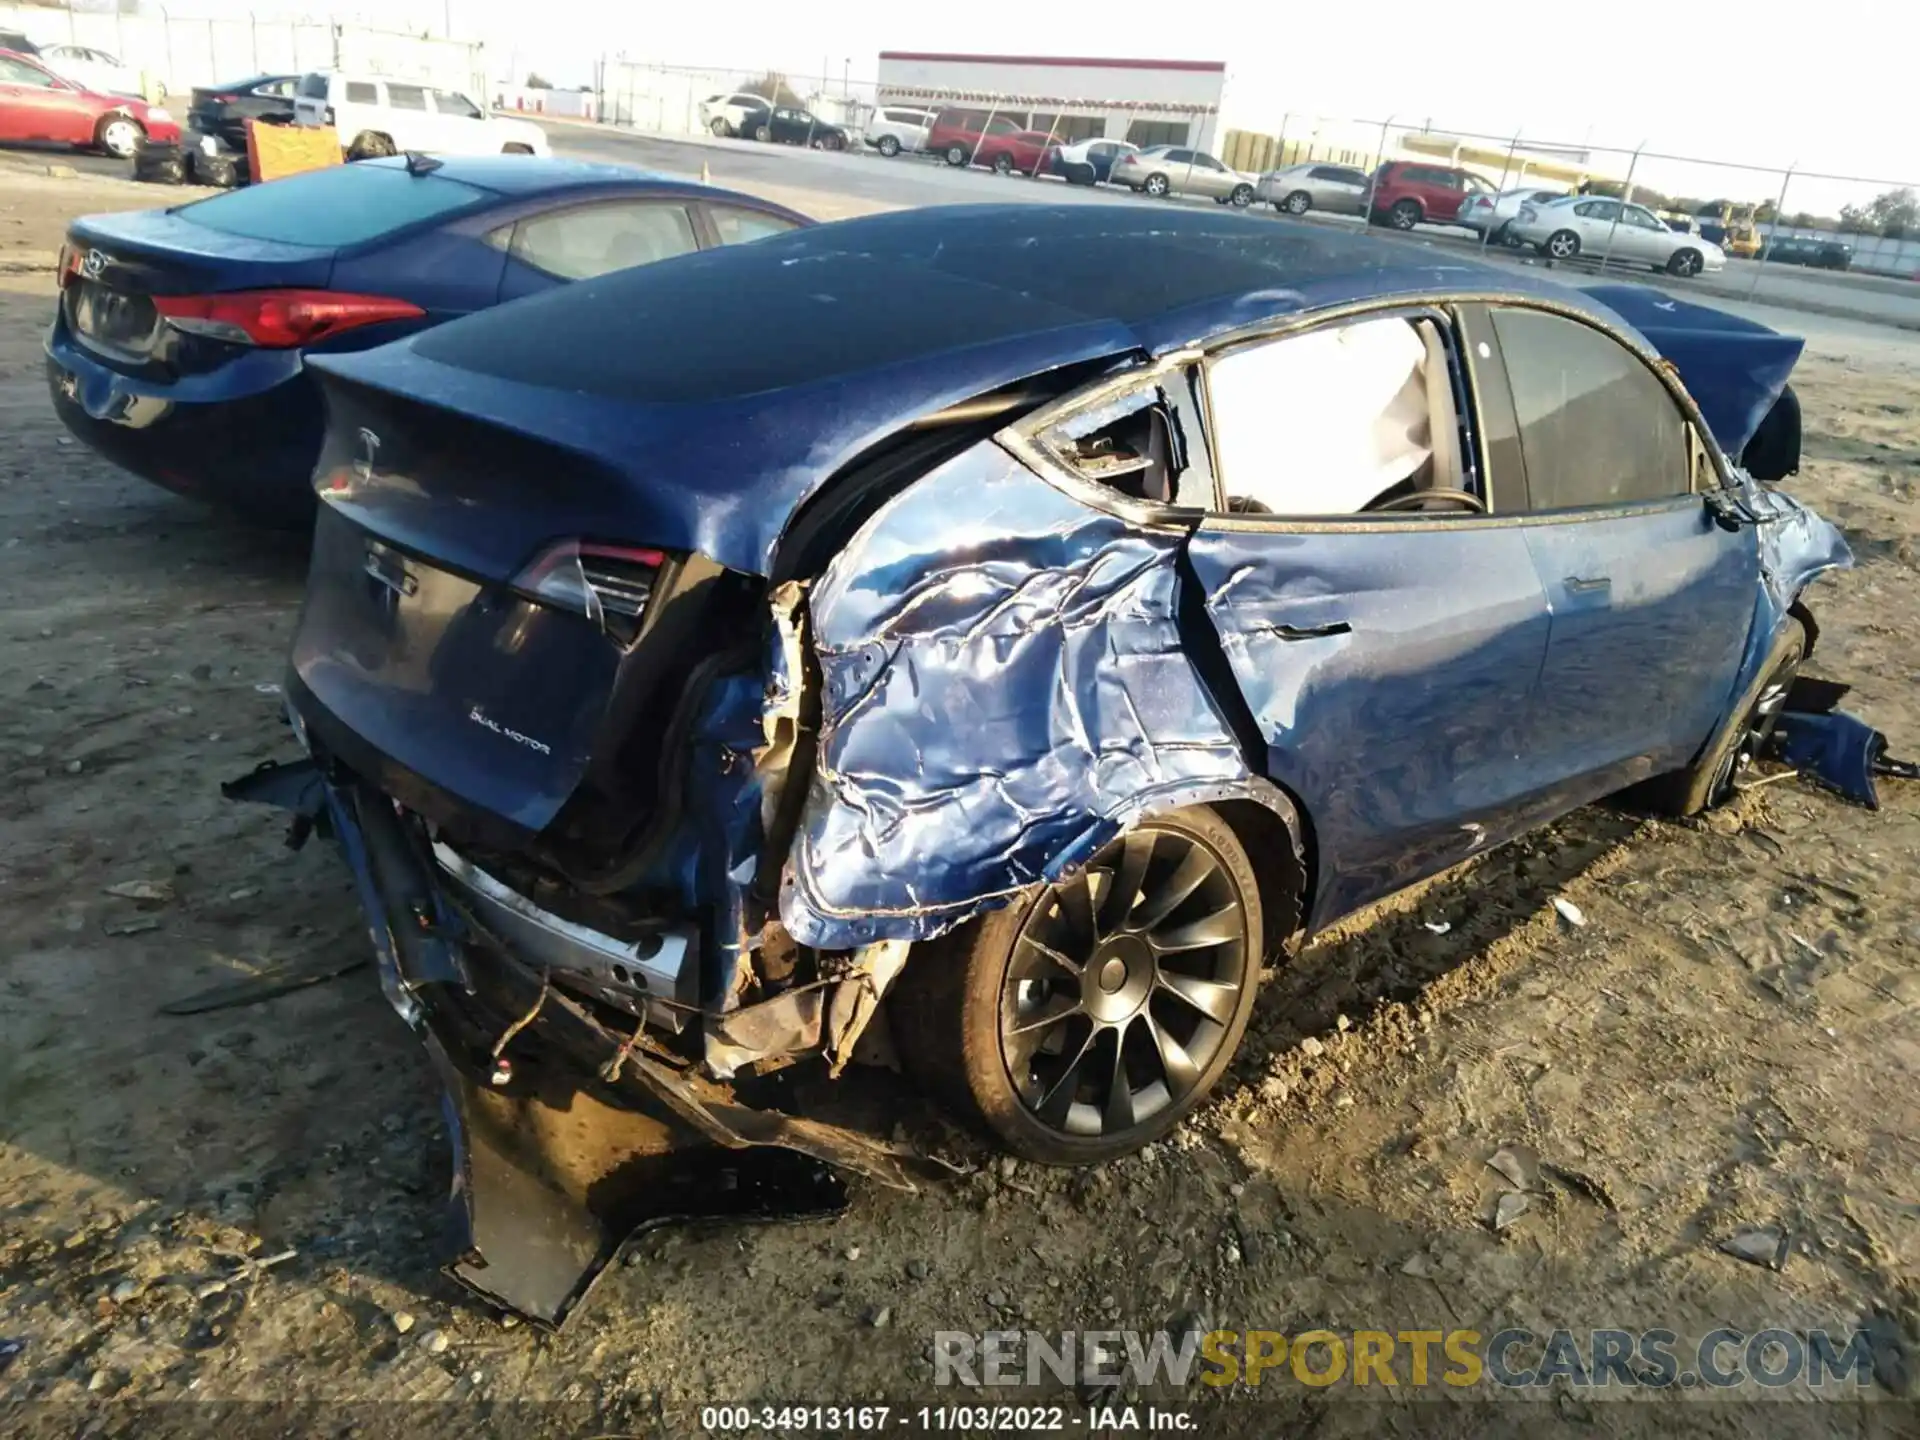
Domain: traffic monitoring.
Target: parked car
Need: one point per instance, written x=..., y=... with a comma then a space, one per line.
x=1051, y=702
x=219, y=113
x=894, y=128
x=1337, y=189
x=957, y=134
x=1090, y=162
x=1177, y=170
x=1408, y=193
x=38, y=104
x=789, y=125
x=1491, y=215
x=180, y=345
x=376, y=116
x=102, y=73
x=1810, y=250
x=1024, y=152
x=1598, y=228
x=734, y=114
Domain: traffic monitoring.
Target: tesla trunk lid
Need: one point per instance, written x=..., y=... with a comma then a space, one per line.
x=428, y=658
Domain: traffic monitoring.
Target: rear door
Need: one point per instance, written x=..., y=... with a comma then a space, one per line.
x=1651, y=600
x=1388, y=657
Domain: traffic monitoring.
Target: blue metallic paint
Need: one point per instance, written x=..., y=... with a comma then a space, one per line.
x=243, y=426
x=1404, y=739
x=1651, y=608
x=1005, y=686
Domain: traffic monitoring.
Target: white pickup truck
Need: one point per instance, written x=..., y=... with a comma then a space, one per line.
x=384, y=116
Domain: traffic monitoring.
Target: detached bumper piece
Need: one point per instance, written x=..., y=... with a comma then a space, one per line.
x=1840, y=751
x=568, y=1136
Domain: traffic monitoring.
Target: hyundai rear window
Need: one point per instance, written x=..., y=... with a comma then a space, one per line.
x=341, y=205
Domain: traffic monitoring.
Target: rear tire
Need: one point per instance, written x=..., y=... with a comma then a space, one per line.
x=1561, y=245
x=1157, y=186
x=888, y=146
x=1003, y=164
x=719, y=128
x=763, y=133
x=1298, y=203
x=1073, y=1066
x=956, y=155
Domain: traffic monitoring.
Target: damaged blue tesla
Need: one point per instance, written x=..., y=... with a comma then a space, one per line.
x=971, y=639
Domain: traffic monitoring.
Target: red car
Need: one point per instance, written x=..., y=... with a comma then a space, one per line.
x=36, y=104
x=1407, y=193
x=957, y=134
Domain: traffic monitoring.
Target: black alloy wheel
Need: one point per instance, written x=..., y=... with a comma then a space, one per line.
x=1089, y=1021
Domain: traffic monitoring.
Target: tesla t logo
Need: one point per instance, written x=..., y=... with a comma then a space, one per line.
x=93, y=264
x=370, y=446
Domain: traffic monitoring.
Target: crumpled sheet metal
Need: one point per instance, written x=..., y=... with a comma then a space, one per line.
x=1795, y=545
x=1004, y=687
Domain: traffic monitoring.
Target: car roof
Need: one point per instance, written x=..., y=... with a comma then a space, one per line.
x=537, y=174
x=915, y=286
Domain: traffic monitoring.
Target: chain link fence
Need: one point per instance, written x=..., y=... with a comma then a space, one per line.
x=173, y=53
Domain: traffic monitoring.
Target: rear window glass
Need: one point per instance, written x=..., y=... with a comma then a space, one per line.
x=341, y=205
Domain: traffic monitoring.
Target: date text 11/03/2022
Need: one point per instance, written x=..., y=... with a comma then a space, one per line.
x=942, y=1419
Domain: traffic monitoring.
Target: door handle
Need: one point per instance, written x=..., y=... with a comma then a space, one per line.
x=1587, y=585
x=1311, y=632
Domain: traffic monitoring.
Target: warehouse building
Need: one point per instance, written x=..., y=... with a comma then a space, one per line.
x=1150, y=102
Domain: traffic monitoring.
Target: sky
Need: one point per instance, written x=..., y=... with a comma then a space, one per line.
x=1705, y=78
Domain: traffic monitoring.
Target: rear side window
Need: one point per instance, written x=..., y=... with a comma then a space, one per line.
x=598, y=239
x=406, y=97
x=448, y=103
x=1336, y=421
x=359, y=92
x=17, y=72
x=341, y=205
x=737, y=227
x=1596, y=426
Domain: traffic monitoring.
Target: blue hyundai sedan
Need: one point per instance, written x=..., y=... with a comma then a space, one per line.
x=180, y=346
x=1064, y=610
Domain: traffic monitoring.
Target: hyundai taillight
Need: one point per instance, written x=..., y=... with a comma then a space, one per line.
x=608, y=584
x=279, y=319
x=69, y=265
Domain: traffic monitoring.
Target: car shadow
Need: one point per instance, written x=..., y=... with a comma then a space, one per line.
x=1393, y=952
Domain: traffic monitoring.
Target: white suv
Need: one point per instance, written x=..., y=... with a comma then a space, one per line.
x=729, y=114
x=894, y=128
x=384, y=117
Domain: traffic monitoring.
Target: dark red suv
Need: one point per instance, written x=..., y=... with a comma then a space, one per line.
x=956, y=134
x=1407, y=193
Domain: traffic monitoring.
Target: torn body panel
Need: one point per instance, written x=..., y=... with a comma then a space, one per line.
x=1796, y=546
x=1005, y=685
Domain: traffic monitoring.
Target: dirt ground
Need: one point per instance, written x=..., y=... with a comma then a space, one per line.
x=1731, y=1040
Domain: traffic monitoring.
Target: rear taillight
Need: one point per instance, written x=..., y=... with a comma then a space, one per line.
x=608, y=584
x=69, y=265
x=279, y=319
